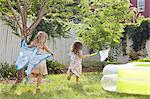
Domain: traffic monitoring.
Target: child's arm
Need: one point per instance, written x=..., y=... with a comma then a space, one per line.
x=48, y=50
x=85, y=56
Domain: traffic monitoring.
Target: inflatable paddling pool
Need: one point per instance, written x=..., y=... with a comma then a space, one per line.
x=131, y=78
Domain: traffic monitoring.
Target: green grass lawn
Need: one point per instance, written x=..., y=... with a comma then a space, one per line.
x=60, y=88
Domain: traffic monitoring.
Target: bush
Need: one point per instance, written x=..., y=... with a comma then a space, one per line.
x=7, y=71
x=142, y=60
x=136, y=55
x=54, y=67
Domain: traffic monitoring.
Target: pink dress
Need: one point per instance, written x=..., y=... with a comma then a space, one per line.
x=75, y=64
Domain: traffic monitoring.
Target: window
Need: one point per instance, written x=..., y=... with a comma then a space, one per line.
x=141, y=5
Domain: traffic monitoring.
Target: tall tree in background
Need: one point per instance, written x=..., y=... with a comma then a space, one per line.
x=102, y=22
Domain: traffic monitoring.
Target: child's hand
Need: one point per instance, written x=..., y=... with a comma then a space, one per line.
x=90, y=55
x=48, y=50
x=52, y=54
x=93, y=54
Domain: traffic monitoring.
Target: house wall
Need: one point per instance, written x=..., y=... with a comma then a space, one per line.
x=146, y=13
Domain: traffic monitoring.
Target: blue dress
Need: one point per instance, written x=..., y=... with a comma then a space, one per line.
x=29, y=57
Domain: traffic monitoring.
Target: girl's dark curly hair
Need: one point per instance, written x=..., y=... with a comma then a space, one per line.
x=77, y=47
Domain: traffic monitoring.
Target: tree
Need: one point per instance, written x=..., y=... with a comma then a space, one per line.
x=19, y=10
x=17, y=13
x=102, y=22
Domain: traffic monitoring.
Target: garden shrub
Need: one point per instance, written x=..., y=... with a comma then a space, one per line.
x=55, y=67
x=135, y=55
x=7, y=71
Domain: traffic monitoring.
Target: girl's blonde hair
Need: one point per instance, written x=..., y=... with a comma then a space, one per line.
x=38, y=41
x=77, y=47
x=41, y=32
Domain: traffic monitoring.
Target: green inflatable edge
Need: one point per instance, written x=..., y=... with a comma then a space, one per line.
x=134, y=81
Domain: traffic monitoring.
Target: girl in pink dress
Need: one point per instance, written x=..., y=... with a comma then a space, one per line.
x=76, y=56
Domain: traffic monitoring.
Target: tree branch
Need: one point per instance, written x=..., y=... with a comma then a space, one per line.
x=14, y=15
x=21, y=13
x=38, y=19
x=24, y=17
x=19, y=6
